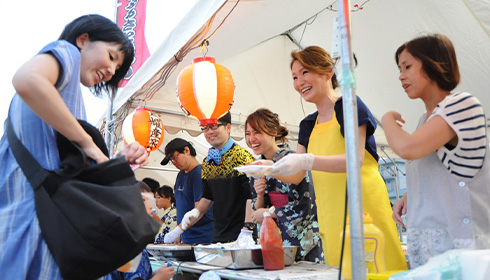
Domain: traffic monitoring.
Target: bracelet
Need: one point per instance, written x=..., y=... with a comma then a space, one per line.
x=250, y=226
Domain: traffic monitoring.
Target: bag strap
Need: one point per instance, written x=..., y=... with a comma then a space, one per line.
x=33, y=171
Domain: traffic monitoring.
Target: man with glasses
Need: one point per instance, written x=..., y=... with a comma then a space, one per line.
x=224, y=189
x=188, y=192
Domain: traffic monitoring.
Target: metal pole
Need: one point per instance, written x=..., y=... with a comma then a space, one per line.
x=159, y=168
x=395, y=171
x=351, y=145
x=109, y=141
x=397, y=192
x=397, y=189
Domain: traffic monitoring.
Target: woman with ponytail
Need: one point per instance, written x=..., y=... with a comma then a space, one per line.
x=295, y=210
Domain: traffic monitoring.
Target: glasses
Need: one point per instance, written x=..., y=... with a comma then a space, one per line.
x=212, y=127
x=174, y=158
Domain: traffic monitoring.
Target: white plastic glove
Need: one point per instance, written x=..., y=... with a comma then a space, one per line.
x=189, y=218
x=292, y=163
x=172, y=236
x=245, y=239
x=244, y=233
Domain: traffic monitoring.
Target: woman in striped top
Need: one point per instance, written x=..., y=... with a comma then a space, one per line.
x=448, y=175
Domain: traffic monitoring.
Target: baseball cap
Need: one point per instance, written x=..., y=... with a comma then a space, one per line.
x=172, y=146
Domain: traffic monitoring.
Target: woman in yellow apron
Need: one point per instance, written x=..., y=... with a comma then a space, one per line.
x=321, y=135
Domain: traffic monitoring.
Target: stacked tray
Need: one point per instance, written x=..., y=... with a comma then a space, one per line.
x=234, y=258
x=173, y=252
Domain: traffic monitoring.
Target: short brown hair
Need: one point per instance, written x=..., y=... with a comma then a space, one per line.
x=265, y=121
x=315, y=59
x=438, y=57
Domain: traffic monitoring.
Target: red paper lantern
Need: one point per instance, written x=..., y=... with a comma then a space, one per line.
x=205, y=90
x=145, y=127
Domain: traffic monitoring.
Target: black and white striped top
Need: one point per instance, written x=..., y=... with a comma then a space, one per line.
x=464, y=114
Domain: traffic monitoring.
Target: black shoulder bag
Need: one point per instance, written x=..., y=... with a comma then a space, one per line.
x=92, y=218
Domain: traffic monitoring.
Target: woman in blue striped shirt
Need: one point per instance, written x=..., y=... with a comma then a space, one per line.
x=91, y=51
x=448, y=174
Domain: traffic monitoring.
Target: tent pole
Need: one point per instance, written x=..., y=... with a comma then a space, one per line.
x=394, y=173
x=351, y=144
x=159, y=168
x=109, y=120
x=397, y=193
x=108, y=124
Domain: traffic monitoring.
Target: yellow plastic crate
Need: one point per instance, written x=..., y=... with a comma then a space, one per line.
x=381, y=276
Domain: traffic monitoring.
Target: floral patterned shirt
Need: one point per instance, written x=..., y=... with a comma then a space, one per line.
x=297, y=220
x=169, y=220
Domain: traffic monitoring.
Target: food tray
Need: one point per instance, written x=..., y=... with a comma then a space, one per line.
x=173, y=252
x=254, y=169
x=237, y=258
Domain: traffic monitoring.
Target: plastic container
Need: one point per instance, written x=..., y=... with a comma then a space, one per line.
x=271, y=243
x=374, y=244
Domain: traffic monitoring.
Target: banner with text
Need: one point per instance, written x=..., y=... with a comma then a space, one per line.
x=131, y=17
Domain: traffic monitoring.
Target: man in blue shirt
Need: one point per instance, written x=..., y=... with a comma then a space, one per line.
x=225, y=189
x=188, y=190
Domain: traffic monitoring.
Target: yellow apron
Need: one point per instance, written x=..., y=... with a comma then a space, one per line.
x=326, y=139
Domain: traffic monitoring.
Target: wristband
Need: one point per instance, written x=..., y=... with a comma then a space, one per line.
x=249, y=226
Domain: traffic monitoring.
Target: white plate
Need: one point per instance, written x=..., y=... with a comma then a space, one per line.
x=254, y=170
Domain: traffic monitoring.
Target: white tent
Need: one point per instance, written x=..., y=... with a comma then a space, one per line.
x=255, y=40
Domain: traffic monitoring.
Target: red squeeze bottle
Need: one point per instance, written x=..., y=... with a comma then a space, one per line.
x=271, y=243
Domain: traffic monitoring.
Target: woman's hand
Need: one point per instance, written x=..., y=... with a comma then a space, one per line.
x=134, y=154
x=400, y=209
x=292, y=163
x=259, y=186
x=258, y=215
x=164, y=273
x=393, y=116
x=93, y=151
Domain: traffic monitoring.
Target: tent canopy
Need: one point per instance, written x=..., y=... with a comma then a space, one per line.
x=257, y=36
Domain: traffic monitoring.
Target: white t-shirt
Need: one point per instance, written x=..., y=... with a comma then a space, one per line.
x=464, y=114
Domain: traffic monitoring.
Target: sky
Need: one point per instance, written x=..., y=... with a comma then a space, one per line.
x=31, y=24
